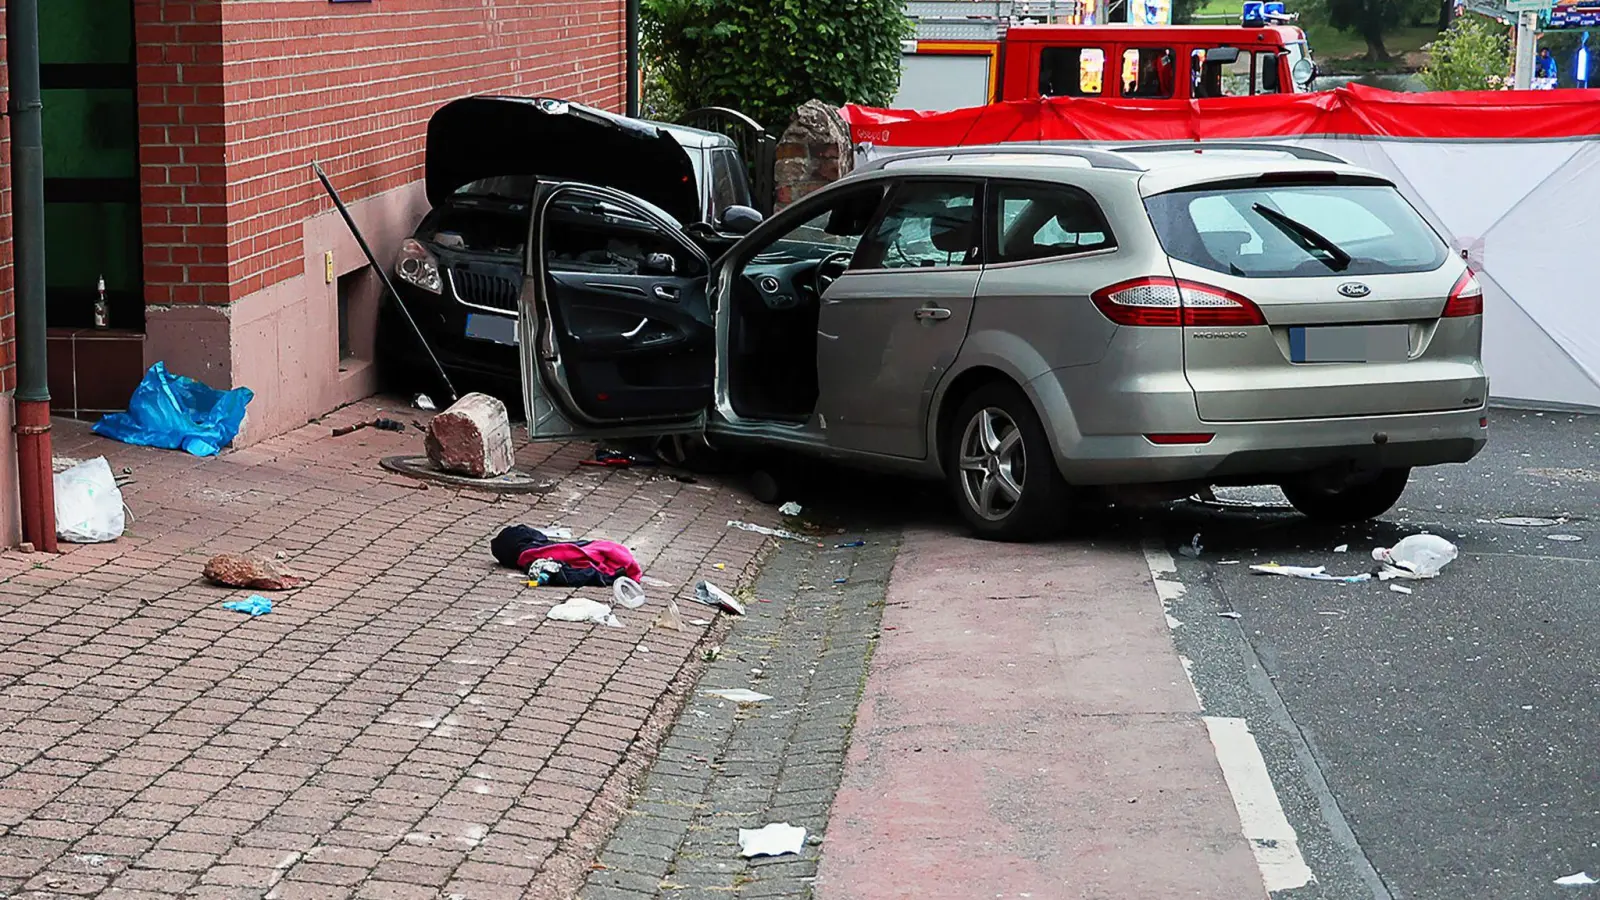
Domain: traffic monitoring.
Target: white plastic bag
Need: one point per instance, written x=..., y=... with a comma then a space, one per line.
x=88, y=504
x=582, y=609
x=1417, y=556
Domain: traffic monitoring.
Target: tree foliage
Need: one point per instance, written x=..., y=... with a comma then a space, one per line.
x=1471, y=55
x=1369, y=19
x=1183, y=11
x=766, y=57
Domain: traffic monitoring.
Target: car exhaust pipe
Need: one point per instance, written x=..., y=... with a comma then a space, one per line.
x=384, y=274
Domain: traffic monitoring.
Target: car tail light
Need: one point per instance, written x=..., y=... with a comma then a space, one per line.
x=1169, y=302
x=1466, y=298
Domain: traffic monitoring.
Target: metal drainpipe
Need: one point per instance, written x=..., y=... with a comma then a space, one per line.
x=23, y=106
x=630, y=25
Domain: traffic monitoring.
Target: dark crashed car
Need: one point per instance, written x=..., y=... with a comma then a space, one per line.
x=460, y=273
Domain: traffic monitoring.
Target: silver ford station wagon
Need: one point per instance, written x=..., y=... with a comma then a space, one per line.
x=1031, y=324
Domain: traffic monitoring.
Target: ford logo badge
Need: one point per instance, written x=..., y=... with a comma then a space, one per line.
x=1354, y=289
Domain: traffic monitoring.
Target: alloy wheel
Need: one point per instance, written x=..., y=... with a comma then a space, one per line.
x=993, y=464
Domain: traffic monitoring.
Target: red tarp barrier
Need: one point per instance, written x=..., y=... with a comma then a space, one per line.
x=1351, y=111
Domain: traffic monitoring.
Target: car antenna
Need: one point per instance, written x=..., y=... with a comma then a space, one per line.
x=384, y=274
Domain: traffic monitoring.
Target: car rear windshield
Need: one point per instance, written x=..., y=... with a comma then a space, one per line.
x=1295, y=230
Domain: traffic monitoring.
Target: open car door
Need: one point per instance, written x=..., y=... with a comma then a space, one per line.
x=615, y=327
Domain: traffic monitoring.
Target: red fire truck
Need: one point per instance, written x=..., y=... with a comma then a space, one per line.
x=1000, y=61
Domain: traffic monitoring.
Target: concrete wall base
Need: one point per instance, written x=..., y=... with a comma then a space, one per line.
x=282, y=342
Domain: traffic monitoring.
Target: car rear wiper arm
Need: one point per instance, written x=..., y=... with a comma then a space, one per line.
x=1303, y=234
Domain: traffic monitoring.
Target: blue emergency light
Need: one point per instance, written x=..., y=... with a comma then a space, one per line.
x=1259, y=13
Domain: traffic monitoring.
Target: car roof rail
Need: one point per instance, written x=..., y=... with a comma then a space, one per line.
x=1304, y=153
x=1099, y=159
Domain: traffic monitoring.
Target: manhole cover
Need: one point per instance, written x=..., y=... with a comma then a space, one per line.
x=1526, y=521
x=516, y=481
x=1565, y=538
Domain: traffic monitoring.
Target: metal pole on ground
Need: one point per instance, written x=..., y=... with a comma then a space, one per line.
x=35, y=476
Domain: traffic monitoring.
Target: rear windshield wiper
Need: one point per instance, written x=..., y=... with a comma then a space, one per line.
x=1306, y=236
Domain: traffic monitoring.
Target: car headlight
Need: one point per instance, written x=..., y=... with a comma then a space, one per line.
x=418, y=266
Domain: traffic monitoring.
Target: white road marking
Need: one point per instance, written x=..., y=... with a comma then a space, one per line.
x=1261, y=817
x=1273, y=839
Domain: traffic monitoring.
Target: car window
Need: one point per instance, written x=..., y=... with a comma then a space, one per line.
x=1233, y=79
x=929, y=224
x=1071, y=71
x=837, y=226
x=1225, y=230
x=1148, y=72
x=1038, y=221
x=729, y=184
x=588, y=234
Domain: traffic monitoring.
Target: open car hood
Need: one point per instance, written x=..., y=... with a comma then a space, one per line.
x=485, y=137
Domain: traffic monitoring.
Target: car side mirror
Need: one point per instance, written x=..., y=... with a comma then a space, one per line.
x=659, y=264
x=739, y=220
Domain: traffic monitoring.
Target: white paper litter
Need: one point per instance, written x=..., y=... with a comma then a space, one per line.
x=739, y=695
x=1417, y=556
x=769, y=532
x=710, y=595
x=1399, y=589
x=557, y=534
x=1578, y=879
x=1342, y=548
x=1313, y=573
x=582, y=609
x=780, y=839
x=627, y=592
x=1230, y=614
x=790, y=509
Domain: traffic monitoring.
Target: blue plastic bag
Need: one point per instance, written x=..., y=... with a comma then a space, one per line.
x=255, y=605
x=177, y=413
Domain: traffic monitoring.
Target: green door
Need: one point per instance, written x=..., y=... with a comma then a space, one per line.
x=91, y=162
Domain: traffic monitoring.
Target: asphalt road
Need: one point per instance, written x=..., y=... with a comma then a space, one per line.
x=1442, y=744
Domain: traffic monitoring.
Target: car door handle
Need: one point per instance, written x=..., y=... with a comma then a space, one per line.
x=936, y=313
x=667, y=293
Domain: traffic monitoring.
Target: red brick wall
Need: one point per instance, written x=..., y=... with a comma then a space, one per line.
x=181, y=172
x=351, y=85
x=8, y=322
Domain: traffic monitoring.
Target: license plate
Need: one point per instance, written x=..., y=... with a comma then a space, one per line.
x=499, y=329
x=1350, y=344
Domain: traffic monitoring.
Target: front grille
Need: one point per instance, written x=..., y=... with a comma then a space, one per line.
x=484, y=289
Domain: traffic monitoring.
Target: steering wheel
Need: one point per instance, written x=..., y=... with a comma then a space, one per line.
x=830, y=268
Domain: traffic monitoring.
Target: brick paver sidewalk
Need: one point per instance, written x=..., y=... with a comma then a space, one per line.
x=407, y=725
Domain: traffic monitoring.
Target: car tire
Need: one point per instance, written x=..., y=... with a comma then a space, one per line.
x=982, y=471
x=1357, y=502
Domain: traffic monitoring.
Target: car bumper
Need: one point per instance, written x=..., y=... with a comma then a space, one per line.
x=443, y=322
x=1259, y=452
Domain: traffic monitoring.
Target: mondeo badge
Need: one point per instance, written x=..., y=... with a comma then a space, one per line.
x=1354, y=289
